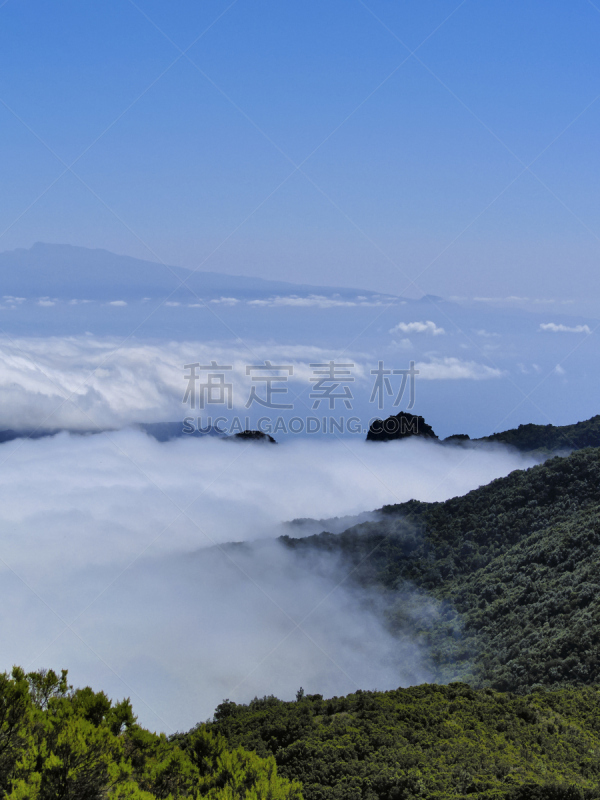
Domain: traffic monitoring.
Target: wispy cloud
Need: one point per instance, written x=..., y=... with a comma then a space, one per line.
x=403, y=344
x=111, y=384
x=486, y=334
x=516, y=300
x=226, y=301
x=428, y=327
x=450, y=368
x=114, y=385
x=510, y=299
x=554, y=328
x=321, y=301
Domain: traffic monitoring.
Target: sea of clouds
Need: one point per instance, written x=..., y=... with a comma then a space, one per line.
x=89, y=383
x=115, y=565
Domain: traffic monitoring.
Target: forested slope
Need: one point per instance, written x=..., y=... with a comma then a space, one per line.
x=550, y=438
x=427, y=742
x=513, y=568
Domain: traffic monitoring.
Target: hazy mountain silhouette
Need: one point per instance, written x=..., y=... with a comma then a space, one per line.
x=66, y=272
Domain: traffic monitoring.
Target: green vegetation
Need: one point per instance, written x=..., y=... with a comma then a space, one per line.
x=427, y=742
x=550, y=438
x=58, y=743
x=512, y=570
x=502, y=586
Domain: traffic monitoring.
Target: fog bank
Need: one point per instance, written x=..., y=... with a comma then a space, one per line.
x=112, y=566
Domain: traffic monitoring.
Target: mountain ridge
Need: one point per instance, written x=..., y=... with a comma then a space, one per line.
x=70, y=271
x=527, y=438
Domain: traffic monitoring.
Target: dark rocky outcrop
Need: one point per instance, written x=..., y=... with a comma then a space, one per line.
x=400, y=426
x=457, y=438
x=41, y=433
x=253, y=436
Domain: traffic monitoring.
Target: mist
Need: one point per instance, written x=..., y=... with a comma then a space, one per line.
x=114, y=564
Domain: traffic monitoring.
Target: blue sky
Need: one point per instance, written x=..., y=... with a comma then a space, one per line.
x=406, y=147
x=412, y=167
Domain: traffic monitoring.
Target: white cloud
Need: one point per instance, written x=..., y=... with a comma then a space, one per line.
x=226, y=301
x=46, y=302
x=486, y=335
x=403, y=344
x=322, y=301
x=88, y=382
x=516, y=300
x=117, y=303
x=449, y=368
x=94, y=528
x=510, y=299
x=559, y=370
x=554, y=328
x=418, y=327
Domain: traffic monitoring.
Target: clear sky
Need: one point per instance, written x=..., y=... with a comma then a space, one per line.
x=341, y=142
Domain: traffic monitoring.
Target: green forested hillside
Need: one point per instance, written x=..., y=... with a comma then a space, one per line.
x=501, y=585
x=56, y=743
x=550, y=438
x=513, y=569
x=427, y=742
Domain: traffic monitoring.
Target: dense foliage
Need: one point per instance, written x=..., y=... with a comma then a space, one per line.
x=427, y=742
x=512, y=568
x=59, y=743
x=550, y=438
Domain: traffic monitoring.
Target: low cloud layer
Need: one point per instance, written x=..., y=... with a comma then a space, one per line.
x=87, y=383
x=112, y=566
x=325, y=301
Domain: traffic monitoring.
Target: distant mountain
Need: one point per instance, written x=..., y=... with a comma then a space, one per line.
x=66, y=272
x=512, y=570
